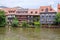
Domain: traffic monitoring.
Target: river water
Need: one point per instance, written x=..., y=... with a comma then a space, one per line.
x=9, y=33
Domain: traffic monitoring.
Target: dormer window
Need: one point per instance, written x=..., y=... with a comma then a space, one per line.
x=26, y=11
x=36, y=12
x=31, y=11
x=11, y=11
x=50, y=9
x=41, y=9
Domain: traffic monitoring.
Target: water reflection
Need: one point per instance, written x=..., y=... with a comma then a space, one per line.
x=50, y=34
x=10, y=33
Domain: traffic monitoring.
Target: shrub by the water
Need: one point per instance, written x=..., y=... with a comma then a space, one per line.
x=24, y=24
x=57, y=19
x=15, y=23
x=37, y=24
x=2, y=19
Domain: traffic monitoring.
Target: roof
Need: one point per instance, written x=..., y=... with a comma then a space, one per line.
x=49, y=8
x=58, y=8
x=7, y=10
x=29, y=12
x=33, y=10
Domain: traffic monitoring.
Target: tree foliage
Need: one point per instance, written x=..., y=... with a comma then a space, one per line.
x=24, y=24
x=57, y=19
x=15, y=23
x=2, y=18
x=37, y=24
x=36, y=18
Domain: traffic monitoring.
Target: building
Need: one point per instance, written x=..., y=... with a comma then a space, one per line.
x=26, y=14
x=58, y=8
x=44, y=14
x=47, y=15
x=21, y=14
x=10, y=14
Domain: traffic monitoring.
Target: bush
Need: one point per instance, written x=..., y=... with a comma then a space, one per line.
x=37, y=24
x=15, y=23
x=57, y=19
x=2, y=19
x=24, y=24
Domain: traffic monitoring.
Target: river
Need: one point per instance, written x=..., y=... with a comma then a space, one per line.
x=10, y=33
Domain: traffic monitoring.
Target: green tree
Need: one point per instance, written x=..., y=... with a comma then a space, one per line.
x=37, y=24
x=57, y=19
x=24, y=24
x=2, y=18
x=36, y=18
x=15, y=22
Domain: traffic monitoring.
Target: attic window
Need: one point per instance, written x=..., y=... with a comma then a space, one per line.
x=11, y=11
x=31, y=11
x=41, y=9
x=36, y=12
x=58, y=8
x=50, y=9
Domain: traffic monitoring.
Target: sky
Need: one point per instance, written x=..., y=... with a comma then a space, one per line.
x=29, y=3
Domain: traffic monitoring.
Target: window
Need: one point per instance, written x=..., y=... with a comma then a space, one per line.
x=50, y=9
x=49, y=16
x=36, y=12
x=11, y=11
x=22, y=12
x=53, y=16
x=41, y=9
x=31, y=11
x=26, y=11
x=58, y=8
x=46, y=16
x=42, y=16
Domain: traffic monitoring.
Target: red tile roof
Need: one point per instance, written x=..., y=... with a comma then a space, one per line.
x=58, y=8
x=34, y=11
x=8, y=9
x=43, y=9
